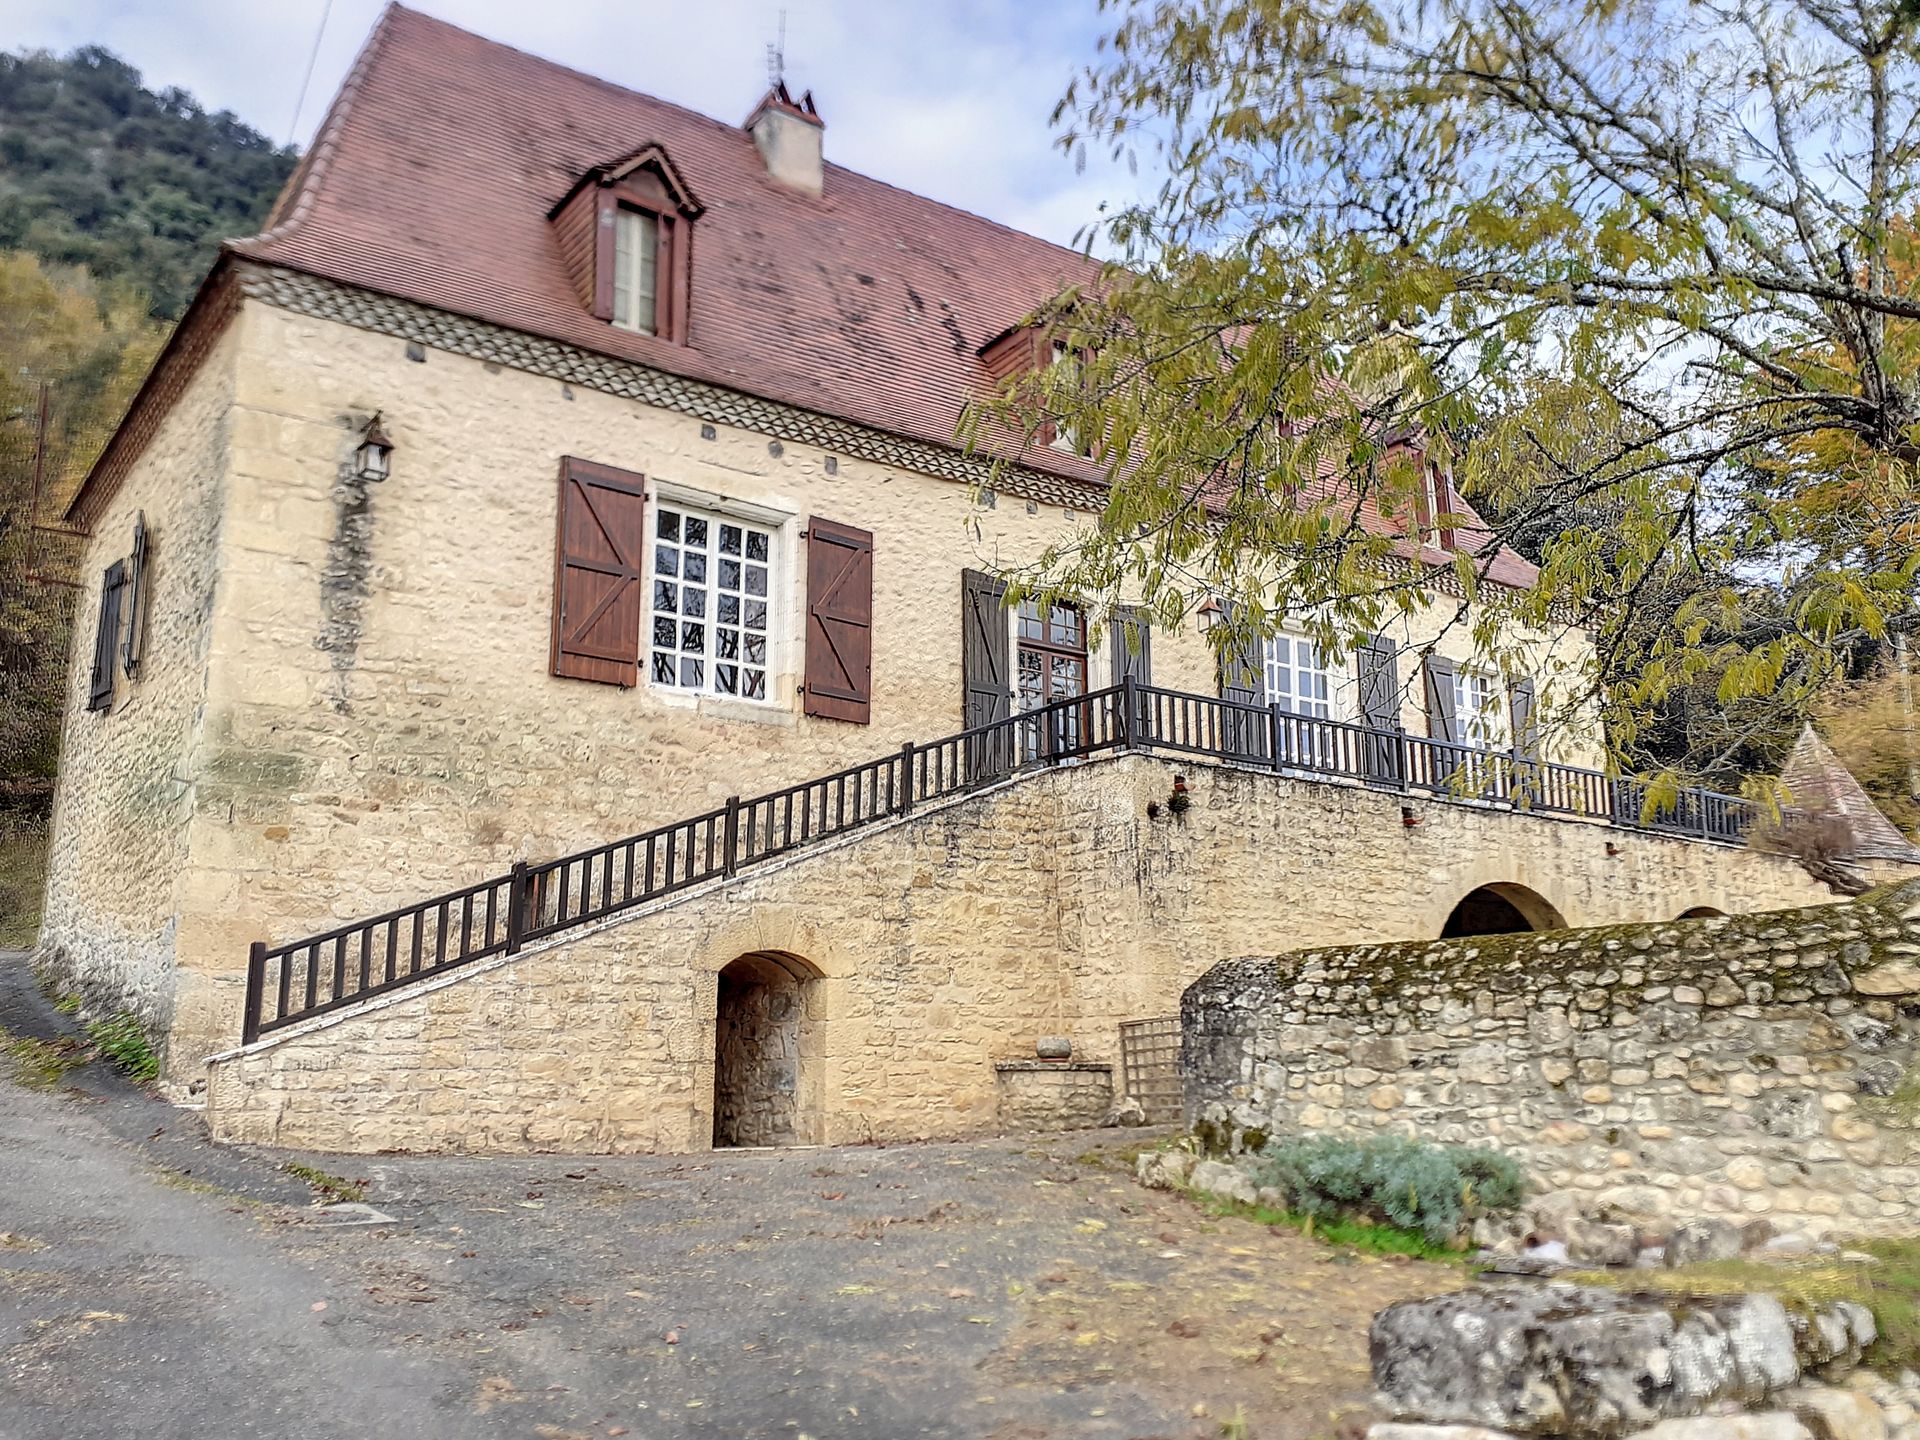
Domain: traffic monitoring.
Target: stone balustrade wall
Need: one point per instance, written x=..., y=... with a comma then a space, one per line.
x=1738, y=1066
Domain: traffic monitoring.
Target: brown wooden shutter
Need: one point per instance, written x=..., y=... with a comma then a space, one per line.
x=1130, y=641
x=1526, y=742
x=606, y=211
x=1443, y=719
x=985, y=675
x=599, y=571
x=987, y=690
x=839, y=678
x=1241, y=672
x=136, y=599
x=106, y=638
x=1526, y=724
x=1443, y=497
x=1379, y=684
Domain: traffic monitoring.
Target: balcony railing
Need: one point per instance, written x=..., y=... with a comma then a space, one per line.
x=308, y=977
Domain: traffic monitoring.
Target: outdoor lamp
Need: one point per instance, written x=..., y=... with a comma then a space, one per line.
x=372, y=459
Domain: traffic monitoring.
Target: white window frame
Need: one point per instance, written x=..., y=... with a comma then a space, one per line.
x=1280, y=654
x=636, y=264
x=720, y=510
x=1064, y=437
x=1480, y=709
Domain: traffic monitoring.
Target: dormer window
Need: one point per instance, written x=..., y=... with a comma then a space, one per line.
x=1063, y=437
x=636, y=270
x=625, y=235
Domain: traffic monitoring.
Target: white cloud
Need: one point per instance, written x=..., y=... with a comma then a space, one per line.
x=950, y=98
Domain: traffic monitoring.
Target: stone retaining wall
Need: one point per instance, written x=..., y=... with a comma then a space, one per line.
x=1738, y=1066
x=1055, y=905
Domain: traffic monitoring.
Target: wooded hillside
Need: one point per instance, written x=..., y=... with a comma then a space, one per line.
x=138, y=186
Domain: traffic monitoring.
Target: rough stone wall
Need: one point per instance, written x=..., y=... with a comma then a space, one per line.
x=1740, y=1066
x=945, y=942
x=1053, y=1095
x=758, y=1019
x=127, y=776
x=380, y=720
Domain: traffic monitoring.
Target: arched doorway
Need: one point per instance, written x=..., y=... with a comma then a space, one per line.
x=1502, y=909
x=764, y=1052
x=1700, y=912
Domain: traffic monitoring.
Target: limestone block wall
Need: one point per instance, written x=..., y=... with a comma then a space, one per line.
x=127, y=778
x=1740, y=1066
x=380, y=721
x=943, y=943
x=1052, y=1094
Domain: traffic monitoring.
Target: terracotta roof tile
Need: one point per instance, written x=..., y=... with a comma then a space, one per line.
x=440, y=159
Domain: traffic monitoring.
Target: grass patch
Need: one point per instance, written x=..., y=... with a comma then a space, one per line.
x=1355, y=1235
x=332, y=1188
x=180, y=1180
x=23, y=879
x=42, y=1064
x=120, y=1039
x=1888, y=1284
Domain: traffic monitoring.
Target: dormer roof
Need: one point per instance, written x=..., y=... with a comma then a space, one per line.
x=651, y=157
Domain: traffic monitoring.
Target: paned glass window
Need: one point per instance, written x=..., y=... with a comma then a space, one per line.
x=1301, y=682
x=636, y=259
x=1478, y=708
x=711, y=598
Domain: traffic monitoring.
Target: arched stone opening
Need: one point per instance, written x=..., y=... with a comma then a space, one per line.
x=1700, y=912
x=766, y=1047
x=1502, y=909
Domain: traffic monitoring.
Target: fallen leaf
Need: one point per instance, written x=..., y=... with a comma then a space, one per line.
x=672, y=1337
x=318, y=1306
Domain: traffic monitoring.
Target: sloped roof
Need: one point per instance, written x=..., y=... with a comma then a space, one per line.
x=433, y=175
x=1819, y=783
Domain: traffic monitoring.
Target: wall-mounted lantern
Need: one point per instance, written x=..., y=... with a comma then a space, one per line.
x=373, y=458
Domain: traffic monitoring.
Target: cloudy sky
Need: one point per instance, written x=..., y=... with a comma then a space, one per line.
x=947, y=97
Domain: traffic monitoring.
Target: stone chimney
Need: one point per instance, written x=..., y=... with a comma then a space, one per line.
x=788, y=133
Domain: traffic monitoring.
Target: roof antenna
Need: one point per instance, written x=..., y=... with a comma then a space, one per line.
x=777, y=57
x=319, y=34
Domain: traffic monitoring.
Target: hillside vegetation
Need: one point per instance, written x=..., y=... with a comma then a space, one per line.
x=135, y=185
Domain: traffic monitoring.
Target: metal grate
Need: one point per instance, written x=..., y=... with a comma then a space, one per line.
x=1150, y=1066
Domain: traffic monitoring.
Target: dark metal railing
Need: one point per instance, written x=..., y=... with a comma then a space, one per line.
x=311, y=976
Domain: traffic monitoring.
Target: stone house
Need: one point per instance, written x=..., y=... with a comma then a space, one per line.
x=559, y=464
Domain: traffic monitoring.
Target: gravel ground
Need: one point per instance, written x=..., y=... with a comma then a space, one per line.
x=1018, y=1289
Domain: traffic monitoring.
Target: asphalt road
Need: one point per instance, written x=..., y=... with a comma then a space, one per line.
x=155, y=1285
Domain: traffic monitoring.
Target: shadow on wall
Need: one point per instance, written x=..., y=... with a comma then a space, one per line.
x=1501, y=909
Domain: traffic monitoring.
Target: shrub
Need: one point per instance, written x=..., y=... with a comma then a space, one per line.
x=1433, y=1189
